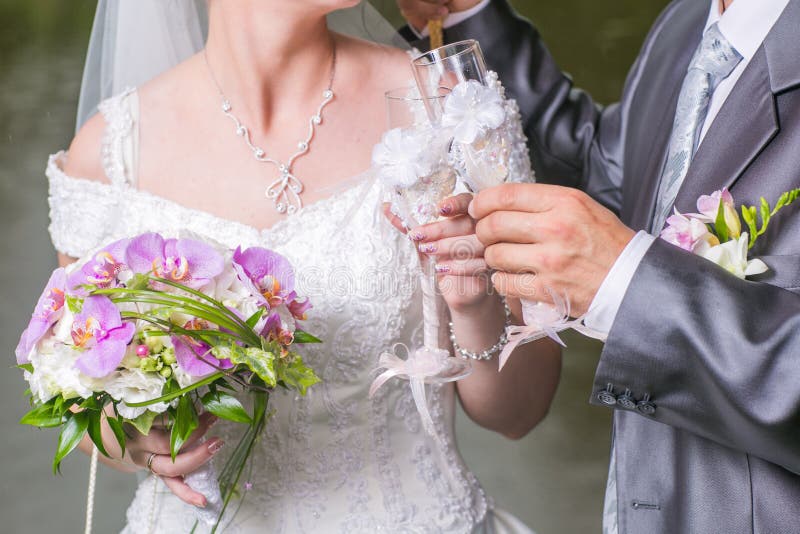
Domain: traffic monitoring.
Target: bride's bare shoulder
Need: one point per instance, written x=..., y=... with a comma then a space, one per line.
x=386, y=65
x=84, y=157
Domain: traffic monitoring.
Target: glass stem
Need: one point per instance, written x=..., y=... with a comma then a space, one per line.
x=432, y=307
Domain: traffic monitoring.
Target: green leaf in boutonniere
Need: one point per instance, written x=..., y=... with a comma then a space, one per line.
x=720, y=226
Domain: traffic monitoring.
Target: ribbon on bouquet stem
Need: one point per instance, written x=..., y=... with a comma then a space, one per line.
x=545, y=320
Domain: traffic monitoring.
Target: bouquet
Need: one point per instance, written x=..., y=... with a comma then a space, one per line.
x=153, y=327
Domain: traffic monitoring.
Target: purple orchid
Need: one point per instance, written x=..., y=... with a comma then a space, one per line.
x=185, y=261
x=48, y=310
x=298, y=309
x=190, y=353
x=102, y=269
x=268, y=275
x=99, y=332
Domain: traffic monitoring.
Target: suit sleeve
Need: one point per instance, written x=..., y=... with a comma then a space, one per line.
x=573, y=141
x=721, y=359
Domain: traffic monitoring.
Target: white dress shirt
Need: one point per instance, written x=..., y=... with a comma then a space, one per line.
x=745, y=24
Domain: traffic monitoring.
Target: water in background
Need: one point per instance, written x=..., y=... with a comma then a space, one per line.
x=553, y=479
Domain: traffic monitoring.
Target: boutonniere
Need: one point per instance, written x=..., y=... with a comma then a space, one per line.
x=715, y=233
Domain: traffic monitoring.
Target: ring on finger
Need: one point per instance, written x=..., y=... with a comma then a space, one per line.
x=150, y=463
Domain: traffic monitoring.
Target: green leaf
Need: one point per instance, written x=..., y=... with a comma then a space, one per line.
x=304, y=337
x=720, y=226
x=70, y=437
x=766, y=213
x=95, y=429
x=253, y=319
x=185, y=423
x=172, y=395
x=116, y=427
x=261, y=362
x=226, y=407
x=43, y=416
x=139, y=281
x=298, y=375
x=26, y=367
x=144, y=422
x=74, y=304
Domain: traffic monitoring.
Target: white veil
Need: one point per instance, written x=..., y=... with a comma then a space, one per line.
x=134, y=40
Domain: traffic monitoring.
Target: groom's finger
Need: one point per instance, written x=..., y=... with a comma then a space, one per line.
x=515, y=258
x=520, y=286
x=518, y=197
x=510, y=227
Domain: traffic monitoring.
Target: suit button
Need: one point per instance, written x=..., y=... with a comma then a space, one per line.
x=646, y=407
x=607, y=396
x=626, y=400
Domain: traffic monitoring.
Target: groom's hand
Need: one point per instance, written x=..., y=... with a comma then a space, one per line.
x=544, y=236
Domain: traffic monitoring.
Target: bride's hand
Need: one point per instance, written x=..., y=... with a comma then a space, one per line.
x=463, y=274
x=193, y=455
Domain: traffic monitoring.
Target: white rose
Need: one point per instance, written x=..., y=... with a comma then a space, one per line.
x=134, y=385
x=55, y=374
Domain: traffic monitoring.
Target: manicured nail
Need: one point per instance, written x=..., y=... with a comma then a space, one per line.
x=447, y=209
x=212, y=421
x=442, y=268
x=215, y=446
x=427, y=248
x=416, y=236
x=201, y=503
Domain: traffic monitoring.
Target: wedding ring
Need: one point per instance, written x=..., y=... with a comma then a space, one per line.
x=150, y=463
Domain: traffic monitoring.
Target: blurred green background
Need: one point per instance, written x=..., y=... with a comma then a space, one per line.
x=553, y=479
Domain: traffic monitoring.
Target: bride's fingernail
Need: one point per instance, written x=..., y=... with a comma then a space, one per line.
x=447, y=209
x=416, y=236
x=442, y=268
x=427, y=248
x=215, y=446
x=201, y=503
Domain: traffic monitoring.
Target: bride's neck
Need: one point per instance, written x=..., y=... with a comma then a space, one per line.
x=265, y=54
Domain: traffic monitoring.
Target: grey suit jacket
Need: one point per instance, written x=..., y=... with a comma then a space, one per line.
x=702, y=369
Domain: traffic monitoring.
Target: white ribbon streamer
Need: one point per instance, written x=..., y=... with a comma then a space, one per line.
x=545, y=320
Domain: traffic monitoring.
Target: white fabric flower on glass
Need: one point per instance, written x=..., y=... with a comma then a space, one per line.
x=472, y=110
x=403, y=157
x=135, y=385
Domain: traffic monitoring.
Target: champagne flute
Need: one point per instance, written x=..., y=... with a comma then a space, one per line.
x=417, y=205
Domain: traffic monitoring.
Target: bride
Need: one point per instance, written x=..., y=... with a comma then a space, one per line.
x=168, y=155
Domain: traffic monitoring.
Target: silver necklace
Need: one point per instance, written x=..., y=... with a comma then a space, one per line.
x=286, y=189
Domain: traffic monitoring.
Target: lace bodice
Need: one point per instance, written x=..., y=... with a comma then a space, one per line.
x=334, y=461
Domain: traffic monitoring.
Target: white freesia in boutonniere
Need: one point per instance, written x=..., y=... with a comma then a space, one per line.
x=715, y=233
x=472, y=110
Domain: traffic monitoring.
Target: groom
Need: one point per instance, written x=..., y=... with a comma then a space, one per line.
x=701, y=368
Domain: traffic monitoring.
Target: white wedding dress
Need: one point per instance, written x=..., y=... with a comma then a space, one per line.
x=336, y=460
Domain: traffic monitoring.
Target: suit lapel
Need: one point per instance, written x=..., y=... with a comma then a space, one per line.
x=748, y=120
x=746, y=123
